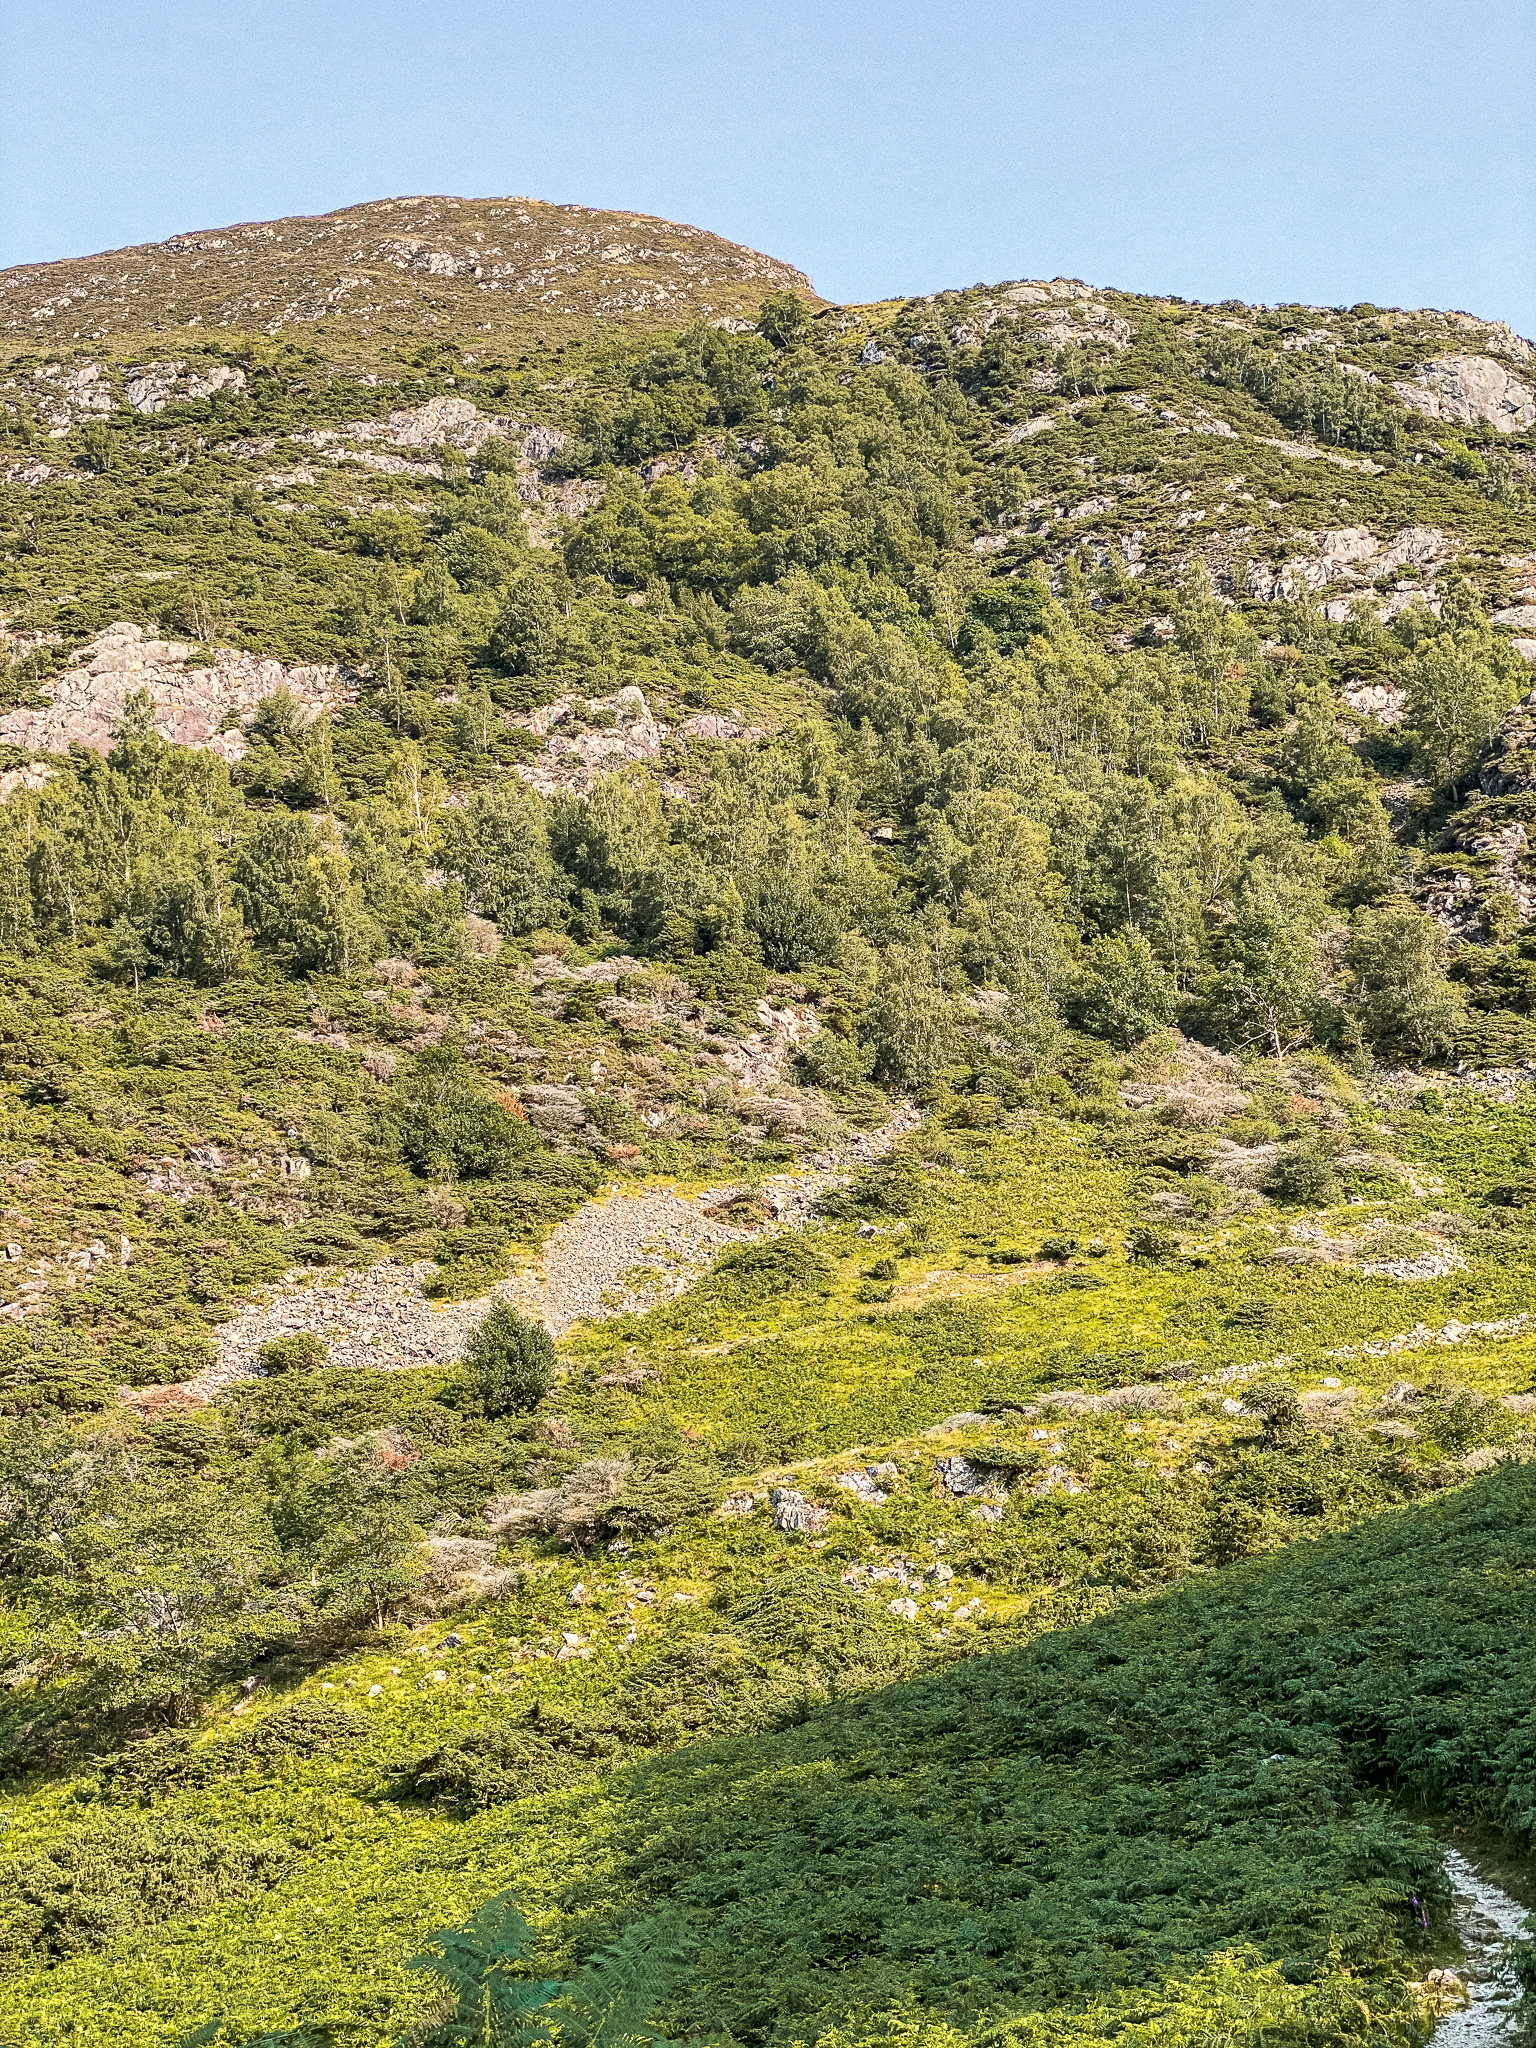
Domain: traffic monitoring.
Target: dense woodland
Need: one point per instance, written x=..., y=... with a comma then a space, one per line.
x=1026, y=823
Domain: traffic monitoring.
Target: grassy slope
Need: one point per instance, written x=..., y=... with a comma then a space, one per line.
x=511, y=273
x=904, y=1800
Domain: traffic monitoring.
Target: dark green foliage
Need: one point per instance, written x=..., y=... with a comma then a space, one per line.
x=527, y=629
x=449, y=1127
x=158, y=1765
x=1309, y=392
x=45, y=1370
x=1306, y=1176
x=803, y=1614
x=1218, y=1758
x=323, y=1241
x=509, y=1362
x=610, y=1998
x=121, y=1872
x=301, y=1352
x=476, y=1964
x=762, y=1272
x=659, y=1498
x=1277, y=1401
x=1153, y=1244
x=508, y=1761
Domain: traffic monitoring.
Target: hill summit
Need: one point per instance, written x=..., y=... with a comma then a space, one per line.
x=394, y=269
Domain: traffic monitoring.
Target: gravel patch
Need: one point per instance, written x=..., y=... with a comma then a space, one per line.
x=617, y=1255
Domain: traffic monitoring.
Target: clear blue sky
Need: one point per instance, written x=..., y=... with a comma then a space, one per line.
x=1259, y=149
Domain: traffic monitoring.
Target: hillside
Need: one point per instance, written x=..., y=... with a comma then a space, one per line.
x=393, y=273
x=767, y=1125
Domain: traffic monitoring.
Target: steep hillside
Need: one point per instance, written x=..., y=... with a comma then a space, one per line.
x=767, y=1132
x=395, y=272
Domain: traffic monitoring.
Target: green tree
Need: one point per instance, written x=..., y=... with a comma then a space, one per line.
x=1456, y=698
x=178, y=913
x=509, y=1362
x=295, y=886
x=526, y=635
x=365, y=1555
x=1267, y=993
x=63, y=888
x=1123, y=992
x=909, y=1025
x=783, y=319
x=1220, y=647
x=497, y=846
x=1402, y=1000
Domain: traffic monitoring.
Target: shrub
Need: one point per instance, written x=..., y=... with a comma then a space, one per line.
x=1153, y=1244
x=323, y=1241
x=765, y=1272
x=1278, y=1404
x=509, y=1362
x=302, y=1352
x=1305, y=1177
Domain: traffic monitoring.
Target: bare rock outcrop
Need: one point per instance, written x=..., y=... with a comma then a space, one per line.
x=585, y=740
x=1353, y=554
x=440, y=423
x=1466, y=389
x=196, y=706
x=1509, y=766
x=151, y=387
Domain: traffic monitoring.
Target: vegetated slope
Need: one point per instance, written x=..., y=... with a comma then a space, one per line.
x=435, y=792
x=392, y=272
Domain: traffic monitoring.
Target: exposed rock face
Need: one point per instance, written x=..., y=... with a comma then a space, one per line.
x=1471, y=388
x=153, y=386
x=794, y=1514
x=1380, y=701
x=63, y=396
x=372, y=273
x=1509, y=767
x=439, y=423
x=960, y=1476
x=1351, y=554
x=192, y=704
x=576, y=753
x=713, y=725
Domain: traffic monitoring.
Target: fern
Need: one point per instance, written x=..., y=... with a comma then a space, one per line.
x=606, y=2004
x=213, y=2032
x=493, y=2007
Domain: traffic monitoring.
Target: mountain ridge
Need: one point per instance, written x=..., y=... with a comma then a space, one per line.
x=405, y=267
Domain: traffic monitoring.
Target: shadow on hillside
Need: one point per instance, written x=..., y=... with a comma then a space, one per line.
x=1204, y=1769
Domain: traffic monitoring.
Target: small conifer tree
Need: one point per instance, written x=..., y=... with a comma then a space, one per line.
x=510, y=1362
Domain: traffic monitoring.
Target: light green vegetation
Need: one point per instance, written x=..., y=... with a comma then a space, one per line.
x=1102, y=1722
x=367, y=1815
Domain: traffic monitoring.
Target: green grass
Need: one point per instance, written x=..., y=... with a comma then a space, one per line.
x=1055, y=1798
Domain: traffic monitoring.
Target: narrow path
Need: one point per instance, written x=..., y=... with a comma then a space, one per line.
x=1489, y=1922
x=620, y=1253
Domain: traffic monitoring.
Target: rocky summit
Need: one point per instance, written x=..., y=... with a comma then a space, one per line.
x=391, y=271
x=767, y=1113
